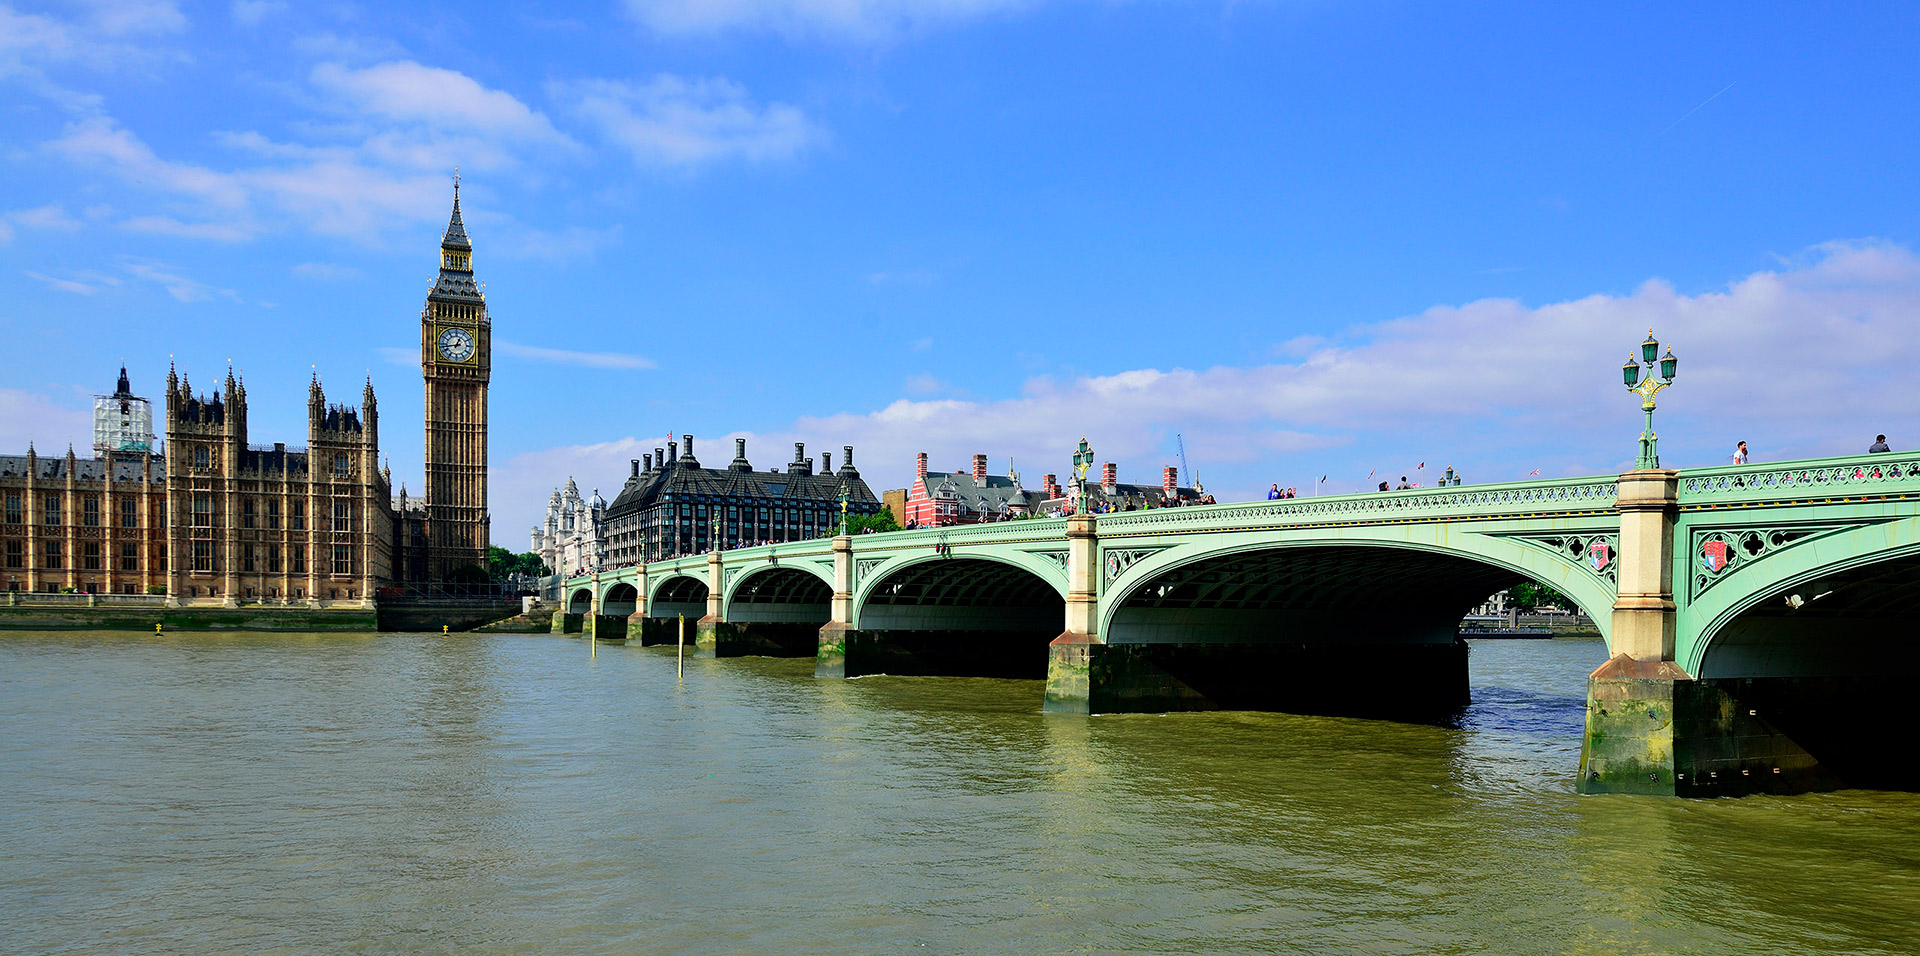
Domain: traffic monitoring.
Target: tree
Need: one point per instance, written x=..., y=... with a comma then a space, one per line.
x=1532, y=595
x=502, y=563
x=877, y=522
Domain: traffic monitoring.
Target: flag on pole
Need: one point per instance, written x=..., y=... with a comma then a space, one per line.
x=1370, y=473
x=1323, y=477
x=1533, y=473
x=1422, y=465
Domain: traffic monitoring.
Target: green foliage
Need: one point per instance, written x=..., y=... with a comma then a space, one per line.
x=876, y=523
x=156, y=589
x=470, y=574
x=1530, y=595
x=502, y=563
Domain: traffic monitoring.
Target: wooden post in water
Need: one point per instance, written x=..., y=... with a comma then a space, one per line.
x=680, y=653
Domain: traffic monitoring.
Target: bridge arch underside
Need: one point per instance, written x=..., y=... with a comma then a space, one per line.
x=1828, y=661
x=1346, y=630
x=776, y=612
x=673, y=597
x=580, y=601
x=616, y=607
x=956, y=617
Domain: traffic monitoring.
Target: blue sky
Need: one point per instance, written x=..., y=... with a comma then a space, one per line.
x=1311, y=237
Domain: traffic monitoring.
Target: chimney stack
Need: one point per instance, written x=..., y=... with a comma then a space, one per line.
x=689, y=451
x=636, y=467
x=673, y=452
x=739, y=448
x=826, y=463
x=980, y=469
x=649, y=462
x=1170, y=480
x=922, y=472
x=1109, y=477
x=1049, y=486
x=846, y=456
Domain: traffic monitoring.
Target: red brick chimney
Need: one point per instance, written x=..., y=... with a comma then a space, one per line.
x=922, y=473
x=980, y=469
x=1170, y=480
x=1048, y=485
x=1109, y=477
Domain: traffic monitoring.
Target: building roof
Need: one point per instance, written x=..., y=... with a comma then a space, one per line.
x=684, y=478
x=999, y=492
x=455, y=283
x=53, y=468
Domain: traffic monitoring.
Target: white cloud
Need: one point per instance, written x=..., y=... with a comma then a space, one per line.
x=50, y=426
x=408, y=92
x=80, y=283
x=847, y=19
x=679, y=122
x=1808, y=361
x=49, y=216
x=253, y=12
x=563, y=357
x=923, y=384
x=180, y=287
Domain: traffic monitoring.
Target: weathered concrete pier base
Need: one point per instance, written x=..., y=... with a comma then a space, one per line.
x=1652, y=729
x=1418, y=682
x=852, y=652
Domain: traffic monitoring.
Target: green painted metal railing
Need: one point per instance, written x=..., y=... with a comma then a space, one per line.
x=1814, y=479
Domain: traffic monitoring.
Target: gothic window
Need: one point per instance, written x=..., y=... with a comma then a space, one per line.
x=246, y=557
x=91, y=555
x=203, y=555
x=129, y=557
x=16, y=554
x=203, y=511
x=53, y=509
x=52, y=556
x=273, y=559
x=341, y=463
x=14, y=513
x=343, y=559
x=298, y=521
x=90, y=511
x=200, y=456
x=273, y=513
x=297, y=562
x=246, y=514
x=129, y=513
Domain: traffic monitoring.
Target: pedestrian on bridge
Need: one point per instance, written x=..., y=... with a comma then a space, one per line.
x=1273, y=494
x=1879, y=444
x=1740, y=454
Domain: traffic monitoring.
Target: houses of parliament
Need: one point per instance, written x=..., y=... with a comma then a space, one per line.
x=219, y=520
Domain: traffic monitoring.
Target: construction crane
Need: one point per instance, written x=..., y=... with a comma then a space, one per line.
x=1184, y=467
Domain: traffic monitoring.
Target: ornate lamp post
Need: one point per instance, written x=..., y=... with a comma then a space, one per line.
x=716, y=528
x=1647, y=389
x=845, y=494
x=1082, y=460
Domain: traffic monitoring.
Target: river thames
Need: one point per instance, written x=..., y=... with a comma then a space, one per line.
x=510, y=794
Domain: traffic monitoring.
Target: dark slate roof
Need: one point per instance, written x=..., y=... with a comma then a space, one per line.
x=273, y=461
x=51, y=468
x=456, y=237
x=684, y=479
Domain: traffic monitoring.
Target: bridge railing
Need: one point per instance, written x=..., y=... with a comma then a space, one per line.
x=1814, y=478
x=1480, y=501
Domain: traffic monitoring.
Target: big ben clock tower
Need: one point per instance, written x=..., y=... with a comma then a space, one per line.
x=456, y=359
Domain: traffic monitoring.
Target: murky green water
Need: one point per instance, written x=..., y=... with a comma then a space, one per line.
x=272, y=794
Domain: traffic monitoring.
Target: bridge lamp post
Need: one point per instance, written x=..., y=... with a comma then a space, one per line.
x=846, y=493
x=1647, y=388
x=1082, y=461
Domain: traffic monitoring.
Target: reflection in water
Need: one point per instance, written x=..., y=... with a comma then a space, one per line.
x=509, y=795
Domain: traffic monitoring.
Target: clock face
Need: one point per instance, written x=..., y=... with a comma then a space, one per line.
x=456, y=345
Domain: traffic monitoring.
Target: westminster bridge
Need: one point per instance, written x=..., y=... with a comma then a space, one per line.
x=1760, y=619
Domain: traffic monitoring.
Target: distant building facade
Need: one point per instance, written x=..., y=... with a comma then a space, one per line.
x=222, y=523
x=671, y=505
x=209, y=518
x=940, y=498
x=574, y=535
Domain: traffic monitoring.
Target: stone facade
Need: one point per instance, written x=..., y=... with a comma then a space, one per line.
x=456, y=361
x=573, y=538
x=223, y=523
x=671, y=505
